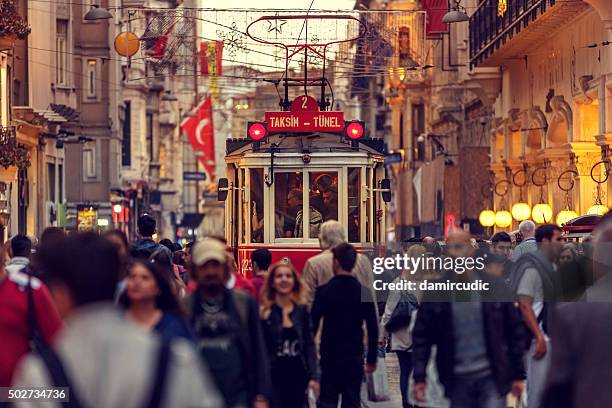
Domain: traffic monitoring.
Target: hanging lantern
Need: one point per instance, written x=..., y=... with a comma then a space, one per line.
x=487, y=218
x=565, y=216
x=597, y=209
x=503, y=219
x=127, y=44
x=521, y=211
x=542, y=213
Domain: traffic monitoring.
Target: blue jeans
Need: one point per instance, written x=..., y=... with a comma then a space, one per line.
x=476, y=392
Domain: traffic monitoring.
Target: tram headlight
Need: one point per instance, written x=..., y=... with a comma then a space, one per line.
x=354, y=129
x=257, y=130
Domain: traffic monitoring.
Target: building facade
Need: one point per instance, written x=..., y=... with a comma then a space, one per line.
x=552, y=115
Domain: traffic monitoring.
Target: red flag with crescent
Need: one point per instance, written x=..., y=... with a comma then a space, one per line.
x=201, y=133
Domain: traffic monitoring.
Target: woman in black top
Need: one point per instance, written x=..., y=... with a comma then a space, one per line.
x=289, y=337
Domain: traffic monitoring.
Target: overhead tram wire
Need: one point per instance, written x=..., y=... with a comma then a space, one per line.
x=253, y=9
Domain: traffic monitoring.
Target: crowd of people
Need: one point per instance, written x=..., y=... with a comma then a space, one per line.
x=148, y=324
x=154, y=324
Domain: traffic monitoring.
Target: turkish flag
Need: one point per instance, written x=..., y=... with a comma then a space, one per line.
x=211, y=58
x=201, y=133
x=159, y=47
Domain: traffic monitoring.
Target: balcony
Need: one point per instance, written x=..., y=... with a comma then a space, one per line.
x=497, y=34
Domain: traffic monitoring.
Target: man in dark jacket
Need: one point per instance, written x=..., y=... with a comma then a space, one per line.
x=477, y=335
x=228, y=330
x=340, y=304
x=144, y=247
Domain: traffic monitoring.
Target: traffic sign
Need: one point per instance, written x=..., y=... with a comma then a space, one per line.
x=393, y=158
x=194, y=176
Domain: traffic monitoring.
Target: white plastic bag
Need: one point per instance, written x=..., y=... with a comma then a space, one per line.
x=377, y=382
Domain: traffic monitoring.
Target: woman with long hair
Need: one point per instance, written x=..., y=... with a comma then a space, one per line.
x=401, y=335
x=289, y=337
x=163, y=258
x=151, y=302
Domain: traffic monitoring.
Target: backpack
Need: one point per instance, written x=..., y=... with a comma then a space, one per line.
x=60, y=379
x=402, y=314
x=56, y=370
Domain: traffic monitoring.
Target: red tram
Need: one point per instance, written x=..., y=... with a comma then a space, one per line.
x=283, y=184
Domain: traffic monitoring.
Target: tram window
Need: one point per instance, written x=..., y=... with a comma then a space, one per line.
x=354, y=203
x=256, y=205
x=366, y=218
x=323, y=196
x=288, y=196
x=245, y=207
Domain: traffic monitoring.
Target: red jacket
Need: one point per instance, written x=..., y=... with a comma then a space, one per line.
x=14, y=328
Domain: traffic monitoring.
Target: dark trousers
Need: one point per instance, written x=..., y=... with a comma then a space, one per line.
x=289, y=389
x=405, y=364
x=341, y=379
x=476, y=392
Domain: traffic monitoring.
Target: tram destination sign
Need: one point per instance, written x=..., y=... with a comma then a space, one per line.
x=304, y=116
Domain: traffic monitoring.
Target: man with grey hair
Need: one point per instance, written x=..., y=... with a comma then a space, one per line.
x=528, y=244
x=318, y=270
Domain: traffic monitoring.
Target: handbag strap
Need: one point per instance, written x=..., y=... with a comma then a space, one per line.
x=161, y=375
x=59, y=377
x=36, y=339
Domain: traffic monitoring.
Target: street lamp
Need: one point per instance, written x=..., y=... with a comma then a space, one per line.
x=97, y=13
x=456, y=15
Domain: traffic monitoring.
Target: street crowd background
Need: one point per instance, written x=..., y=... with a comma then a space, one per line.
x=148, y=324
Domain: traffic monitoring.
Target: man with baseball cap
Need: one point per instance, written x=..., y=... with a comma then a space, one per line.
x=227, y=328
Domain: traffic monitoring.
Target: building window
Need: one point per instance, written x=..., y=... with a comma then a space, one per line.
x=51, y=181
x=60, y=179
x=61, y=52
x=150, y=136
x=90, y=78
x=125, y=120
x=89, y=161
x=418, y=129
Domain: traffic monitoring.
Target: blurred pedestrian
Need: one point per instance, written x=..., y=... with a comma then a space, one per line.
x=103, y=359
x=501, y=244
x=162, y=257
x=289, y=337
x=319, y=269
x=478, y=339
x=151, y=302
x=237, y=280
x=22, y=299
x=260, y=262
x=537, y=285
x=344, y=307
x=120, y=242
x=227, y=328
x=580, y=374
x=398, y=315
x=21, y=250
x=573, y=277
x=51, y=235
x=144, y=247
x=528, y=244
